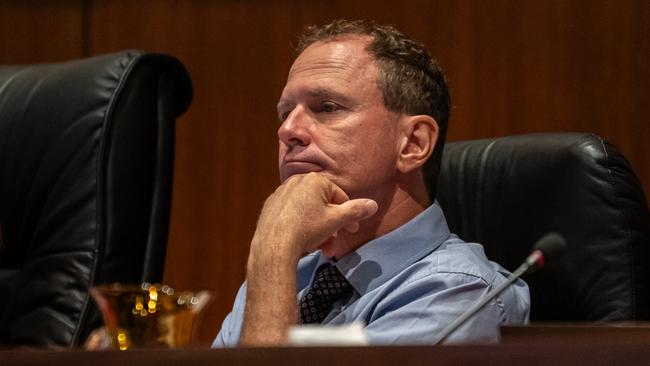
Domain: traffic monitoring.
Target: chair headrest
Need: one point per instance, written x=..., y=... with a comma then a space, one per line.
x=507, y=192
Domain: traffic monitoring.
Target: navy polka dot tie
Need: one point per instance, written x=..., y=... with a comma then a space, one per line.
x=329, y=285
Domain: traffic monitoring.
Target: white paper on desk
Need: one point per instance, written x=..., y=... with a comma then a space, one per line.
x=353, y=334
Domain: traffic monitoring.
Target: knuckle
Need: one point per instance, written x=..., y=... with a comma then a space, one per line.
x=292, y=179
x=312, y=176
x=354, y=211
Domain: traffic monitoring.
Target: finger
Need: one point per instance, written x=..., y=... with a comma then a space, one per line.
x=351, y=212
x=337, y=195
x=352, y=228
x=361, y=208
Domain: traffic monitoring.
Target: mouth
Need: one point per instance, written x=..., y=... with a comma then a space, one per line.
x=292, y=167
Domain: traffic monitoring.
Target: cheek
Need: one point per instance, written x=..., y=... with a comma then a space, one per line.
x=365, y=149
x=368, y=154
x=340, y=146
x=380, y=154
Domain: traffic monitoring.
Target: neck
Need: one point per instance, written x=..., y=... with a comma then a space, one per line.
x=397, y=206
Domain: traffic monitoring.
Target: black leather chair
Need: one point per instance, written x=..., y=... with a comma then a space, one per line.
x=507, y=192
x=86, y=158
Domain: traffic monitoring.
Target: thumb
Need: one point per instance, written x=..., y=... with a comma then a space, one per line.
x=351, y=212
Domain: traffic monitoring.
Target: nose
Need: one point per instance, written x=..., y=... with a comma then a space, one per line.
x=294, y=129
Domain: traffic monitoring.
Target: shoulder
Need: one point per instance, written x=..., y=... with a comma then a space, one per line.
x=457, y=256
x=453, y=261
x=454, y=270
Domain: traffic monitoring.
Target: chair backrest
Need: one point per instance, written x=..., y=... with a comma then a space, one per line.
x=507, y=192
x=86, y=159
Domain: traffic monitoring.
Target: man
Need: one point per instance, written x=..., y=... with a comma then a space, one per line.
x=351, y=233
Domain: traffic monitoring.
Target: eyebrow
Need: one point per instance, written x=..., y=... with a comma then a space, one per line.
x=317, y=93
x=281, y=104
x=321, y=92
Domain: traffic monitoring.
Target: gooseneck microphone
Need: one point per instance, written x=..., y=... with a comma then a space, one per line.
x=549, y=247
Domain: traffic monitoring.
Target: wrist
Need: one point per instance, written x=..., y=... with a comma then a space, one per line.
x=272, y=256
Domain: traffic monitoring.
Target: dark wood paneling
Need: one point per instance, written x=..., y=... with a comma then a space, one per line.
x=513, y=67
x=40, y=30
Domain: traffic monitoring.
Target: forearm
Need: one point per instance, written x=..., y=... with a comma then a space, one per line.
x=271, y=306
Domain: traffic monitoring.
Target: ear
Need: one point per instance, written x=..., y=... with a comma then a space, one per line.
x=419, y=137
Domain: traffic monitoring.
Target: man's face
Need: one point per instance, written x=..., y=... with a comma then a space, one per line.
x=334, y=120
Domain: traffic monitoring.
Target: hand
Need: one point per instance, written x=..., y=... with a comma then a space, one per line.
x=306, y=211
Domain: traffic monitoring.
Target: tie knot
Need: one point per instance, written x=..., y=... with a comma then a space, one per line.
x=329, y=277
x=329, y=285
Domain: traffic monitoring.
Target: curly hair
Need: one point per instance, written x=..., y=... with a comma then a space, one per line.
x=411, y=81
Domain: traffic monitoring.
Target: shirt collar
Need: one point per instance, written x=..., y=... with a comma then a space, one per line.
x=382, y=258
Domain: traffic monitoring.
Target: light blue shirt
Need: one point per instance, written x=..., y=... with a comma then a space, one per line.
x=409, y=285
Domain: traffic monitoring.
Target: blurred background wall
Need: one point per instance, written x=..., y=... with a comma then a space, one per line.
x=513, y=67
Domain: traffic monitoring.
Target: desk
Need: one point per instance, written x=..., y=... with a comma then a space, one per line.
x=575, y=334
x=546, y=347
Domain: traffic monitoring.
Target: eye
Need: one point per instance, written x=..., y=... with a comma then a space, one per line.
x=329, y=107
x=283, y=115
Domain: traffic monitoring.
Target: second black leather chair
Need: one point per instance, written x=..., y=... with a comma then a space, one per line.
x=507, y=192
x=86, y=157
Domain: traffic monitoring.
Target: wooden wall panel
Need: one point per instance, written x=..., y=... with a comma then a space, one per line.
x=513, y=67
x=40, y=31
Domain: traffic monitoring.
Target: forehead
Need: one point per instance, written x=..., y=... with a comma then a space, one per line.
x=340, y=61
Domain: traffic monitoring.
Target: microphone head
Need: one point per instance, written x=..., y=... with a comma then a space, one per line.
x=552, y=245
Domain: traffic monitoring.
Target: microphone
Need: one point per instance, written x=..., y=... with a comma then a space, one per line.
x=549, y=247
